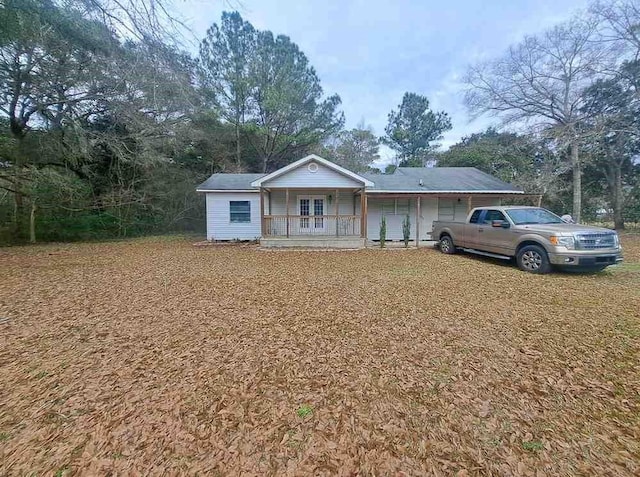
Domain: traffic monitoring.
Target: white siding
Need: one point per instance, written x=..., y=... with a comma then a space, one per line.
x=428, y=213
x=279, y=201
x=301, y=177
x=219, y=226
x=452, y=209
x=480, y=201
x=456, y=210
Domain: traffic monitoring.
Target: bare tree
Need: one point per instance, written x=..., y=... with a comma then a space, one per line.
x=620, y=24
x=541, y=82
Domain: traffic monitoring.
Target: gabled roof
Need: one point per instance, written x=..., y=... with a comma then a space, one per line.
x=312, y=157
x=228, y=182
x=403, y=180
x=440, y=179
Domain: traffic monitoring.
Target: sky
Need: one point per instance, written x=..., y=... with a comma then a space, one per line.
x=372, y=52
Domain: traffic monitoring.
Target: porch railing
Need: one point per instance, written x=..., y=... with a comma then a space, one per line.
x=296, y=225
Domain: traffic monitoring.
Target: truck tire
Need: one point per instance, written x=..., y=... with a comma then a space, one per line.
x=446, y=245
x=533, y=259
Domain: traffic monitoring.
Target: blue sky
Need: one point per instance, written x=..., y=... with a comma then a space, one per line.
x=370, y=52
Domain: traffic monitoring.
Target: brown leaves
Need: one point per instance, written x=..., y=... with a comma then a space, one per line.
x=154, y=357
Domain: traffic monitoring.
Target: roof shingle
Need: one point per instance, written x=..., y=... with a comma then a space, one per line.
x=405, y=179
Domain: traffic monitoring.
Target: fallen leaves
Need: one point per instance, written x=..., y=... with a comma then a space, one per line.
x=156, y=357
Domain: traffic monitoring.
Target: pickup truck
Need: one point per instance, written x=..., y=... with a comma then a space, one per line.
x=537, y=239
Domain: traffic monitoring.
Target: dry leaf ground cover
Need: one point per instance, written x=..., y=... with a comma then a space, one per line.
x=155, y=357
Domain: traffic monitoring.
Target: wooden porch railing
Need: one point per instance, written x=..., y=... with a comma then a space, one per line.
x=327, y=225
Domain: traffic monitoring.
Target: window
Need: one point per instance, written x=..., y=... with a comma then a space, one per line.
x=388, y=207
x=474, y=217
x=492, y=215
x=395, y=207
x=402, y=206
x=533, y=216
x=239, y=211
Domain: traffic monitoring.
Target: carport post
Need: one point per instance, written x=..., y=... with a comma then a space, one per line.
x=417, y=221
x=468, y=205
x=363, y=212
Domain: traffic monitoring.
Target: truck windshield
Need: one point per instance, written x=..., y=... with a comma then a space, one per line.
x=533, y=216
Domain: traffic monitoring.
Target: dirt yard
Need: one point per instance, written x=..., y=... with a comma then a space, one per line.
x=155, y=357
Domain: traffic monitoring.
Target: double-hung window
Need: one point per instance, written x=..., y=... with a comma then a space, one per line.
x=239, y=211
x=395, y=207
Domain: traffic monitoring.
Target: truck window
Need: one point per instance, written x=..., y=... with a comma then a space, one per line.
x=492, y=215
x=475, y=216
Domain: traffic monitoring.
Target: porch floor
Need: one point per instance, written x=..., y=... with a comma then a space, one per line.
x=312, y=241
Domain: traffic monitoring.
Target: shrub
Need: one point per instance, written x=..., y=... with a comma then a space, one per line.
x=383, y=231
x=406, y=230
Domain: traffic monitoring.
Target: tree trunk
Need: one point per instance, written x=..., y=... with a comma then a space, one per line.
x=577, y=181
x=238, y=151
x=32, y=223
x=618, y=220
x=18, y=195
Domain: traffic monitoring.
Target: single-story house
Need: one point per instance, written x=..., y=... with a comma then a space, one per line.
x=314, y=202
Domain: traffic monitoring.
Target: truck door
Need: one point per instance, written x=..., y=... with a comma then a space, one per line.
x=493, y=239
x=471, y=230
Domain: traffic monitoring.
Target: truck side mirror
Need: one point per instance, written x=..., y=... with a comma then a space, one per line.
x=500, y=224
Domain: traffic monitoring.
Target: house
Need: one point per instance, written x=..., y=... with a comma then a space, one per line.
x=316, y=203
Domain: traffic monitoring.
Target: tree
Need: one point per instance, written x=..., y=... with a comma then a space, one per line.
x=613, y=109
x=506, y=155
x=530, y=162
x=79, y=102
x=542, y=81
x=413, y=128
x=290, y=115
x=48, y=66
x=226, y=56
x=619, y=26
x=356, y=149
x=390, y=168
x=265, y=87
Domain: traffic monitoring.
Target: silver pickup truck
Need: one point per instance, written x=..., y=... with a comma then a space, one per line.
x=537, y=238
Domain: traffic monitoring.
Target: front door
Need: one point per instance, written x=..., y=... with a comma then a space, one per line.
x=312, y=214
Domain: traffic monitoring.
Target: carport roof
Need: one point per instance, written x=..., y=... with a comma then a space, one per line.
x=439, y=179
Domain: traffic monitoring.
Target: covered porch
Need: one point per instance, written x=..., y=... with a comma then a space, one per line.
x=313, y=217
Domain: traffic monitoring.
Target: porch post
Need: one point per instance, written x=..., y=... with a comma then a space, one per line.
x=366, y=211
x=362, y=207
x=269, y=197
x=539, y=200
x=262, y=224
x=417, y=221
x=286, y=191
x=337, y=210
x=468, y=204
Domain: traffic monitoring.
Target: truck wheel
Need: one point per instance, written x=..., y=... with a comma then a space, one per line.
x=447, y=246
x=533, y=259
